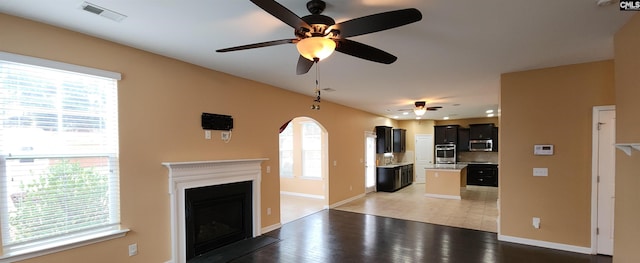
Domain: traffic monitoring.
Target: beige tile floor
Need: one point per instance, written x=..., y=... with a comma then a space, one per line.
x=477, y=209
x=295, y=207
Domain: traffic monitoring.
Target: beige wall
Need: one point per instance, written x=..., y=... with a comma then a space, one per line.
x=414, y=127
x=627, y=209
x=465, y=122
x=550, y=106
x=160, y=102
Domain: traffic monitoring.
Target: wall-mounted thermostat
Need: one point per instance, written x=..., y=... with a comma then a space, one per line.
x=543, y=149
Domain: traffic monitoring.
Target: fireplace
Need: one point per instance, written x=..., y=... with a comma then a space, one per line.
x=217, y=215
x=199, y=191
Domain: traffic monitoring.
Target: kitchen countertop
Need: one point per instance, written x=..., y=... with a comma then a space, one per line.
x=393, y=165
x=453, y=166
x=478, y=163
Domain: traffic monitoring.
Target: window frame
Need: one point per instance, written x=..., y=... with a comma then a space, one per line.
x=32, y=249
x=311, y=145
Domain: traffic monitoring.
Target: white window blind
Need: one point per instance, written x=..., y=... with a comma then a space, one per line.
x=58, y=151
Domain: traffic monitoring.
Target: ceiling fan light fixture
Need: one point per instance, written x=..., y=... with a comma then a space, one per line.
x=420, y=108
x=313, y=48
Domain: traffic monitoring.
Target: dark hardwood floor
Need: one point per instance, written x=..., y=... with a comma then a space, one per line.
x=338, y=236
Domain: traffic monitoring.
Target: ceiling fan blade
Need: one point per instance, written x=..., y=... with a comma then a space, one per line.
x=363, y=51
x=378, y=22
x=304, y=65
x=280, y=12
x=257, y=45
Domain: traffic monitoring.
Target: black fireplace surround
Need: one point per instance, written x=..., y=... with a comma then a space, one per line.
x=217, y=215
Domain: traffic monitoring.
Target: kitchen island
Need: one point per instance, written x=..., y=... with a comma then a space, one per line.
x=445, y=180
x=392, y=177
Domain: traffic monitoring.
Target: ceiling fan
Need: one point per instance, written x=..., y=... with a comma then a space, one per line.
x=421, y=108
x=317, y=36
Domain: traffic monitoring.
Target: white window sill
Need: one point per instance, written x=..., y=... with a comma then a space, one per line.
x=22, y=254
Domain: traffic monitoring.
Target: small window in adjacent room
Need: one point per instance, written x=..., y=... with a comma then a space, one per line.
x=58, y=153
x=286, y=151
x=311, y=150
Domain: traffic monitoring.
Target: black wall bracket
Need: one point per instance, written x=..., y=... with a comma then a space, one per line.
x=212, y=121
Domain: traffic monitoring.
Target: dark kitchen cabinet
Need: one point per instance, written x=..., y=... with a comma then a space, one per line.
x=482, y=174
x=399, y=140
x=446, y=134
x=391, y=179
x=495, y=139
x=481, y=131
x=463, y=140
x=383, y=140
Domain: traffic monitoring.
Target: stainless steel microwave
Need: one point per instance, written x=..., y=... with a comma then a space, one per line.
x=480, y=145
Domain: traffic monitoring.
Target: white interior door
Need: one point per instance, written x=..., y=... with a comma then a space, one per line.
x=370, y=162
x=606, y=180
x=424, y=155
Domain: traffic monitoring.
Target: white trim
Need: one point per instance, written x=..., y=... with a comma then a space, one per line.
x=186, y=175
x=454, y=197
x=346, y=201
x=594, y=173
x=59, y=65
x=302, y=195
x=33, y=252
x=545, y=244
x=271, y=228
x=628, y=147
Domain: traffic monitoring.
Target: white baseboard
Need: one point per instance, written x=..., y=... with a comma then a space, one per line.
x=270, y=228
x=545, y=244
x=346, y=201
x=455, y=197
x=302, y=195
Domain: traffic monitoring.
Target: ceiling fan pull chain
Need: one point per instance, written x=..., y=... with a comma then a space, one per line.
x=315, y=106
x=317, y=82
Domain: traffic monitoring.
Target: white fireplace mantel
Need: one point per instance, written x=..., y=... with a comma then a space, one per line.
x=186, y=175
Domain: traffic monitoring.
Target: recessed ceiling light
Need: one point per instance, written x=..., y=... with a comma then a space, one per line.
x=445, y=118
x=405, y=113
x=395, y=117
x=418, y=118
x=489, y=111
x=490, y=115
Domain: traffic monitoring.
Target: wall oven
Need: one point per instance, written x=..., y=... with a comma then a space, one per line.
x=445, y=153
x=480, y=145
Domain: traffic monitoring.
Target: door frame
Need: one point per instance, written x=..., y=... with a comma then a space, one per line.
x=415, y=161
x=367, y=135
x=594, y=174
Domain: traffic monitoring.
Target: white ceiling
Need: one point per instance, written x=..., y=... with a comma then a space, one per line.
x=454, y=55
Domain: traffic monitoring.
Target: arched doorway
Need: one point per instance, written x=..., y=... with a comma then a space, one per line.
x=303, y=168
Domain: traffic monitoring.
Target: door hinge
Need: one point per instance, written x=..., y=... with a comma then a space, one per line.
x=598, y=179
x=600, y=124
x=597, y=231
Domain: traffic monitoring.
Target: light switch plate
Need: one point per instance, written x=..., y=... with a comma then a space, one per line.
x=540, y=171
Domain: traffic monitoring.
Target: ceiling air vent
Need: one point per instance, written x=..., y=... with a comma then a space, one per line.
x=103, y=12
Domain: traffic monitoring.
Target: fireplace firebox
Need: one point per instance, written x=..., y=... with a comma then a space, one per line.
x=217, y=215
